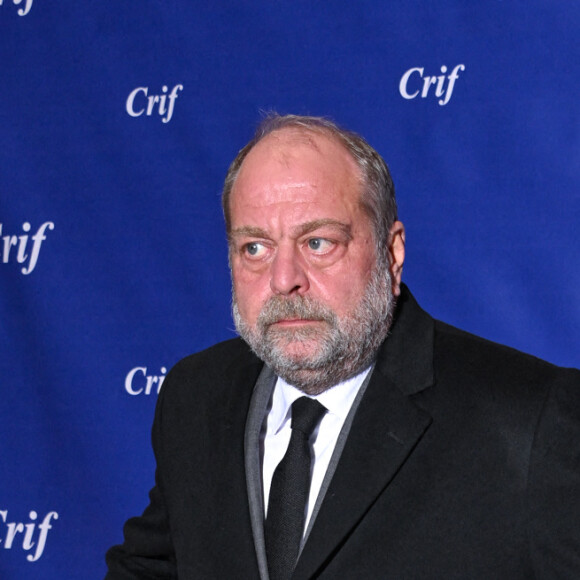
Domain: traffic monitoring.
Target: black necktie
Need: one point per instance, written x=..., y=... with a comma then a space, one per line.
x=284, y=525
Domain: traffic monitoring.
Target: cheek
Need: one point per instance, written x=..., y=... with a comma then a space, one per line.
x=347, y=295
x=251, y=293
x=342, y=287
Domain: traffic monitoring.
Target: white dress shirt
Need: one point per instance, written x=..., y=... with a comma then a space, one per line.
x=276, y=435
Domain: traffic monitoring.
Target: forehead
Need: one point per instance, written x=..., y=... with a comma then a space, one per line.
x=291, y=162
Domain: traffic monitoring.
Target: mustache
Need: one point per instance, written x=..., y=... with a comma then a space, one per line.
x=279, y=308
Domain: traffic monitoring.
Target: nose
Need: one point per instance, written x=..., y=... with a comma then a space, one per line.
x=288, y=273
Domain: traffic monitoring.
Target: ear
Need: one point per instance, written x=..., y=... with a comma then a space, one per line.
x=396, y=249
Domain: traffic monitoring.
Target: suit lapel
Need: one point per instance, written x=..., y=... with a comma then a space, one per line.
x=258, y=408
x=387, y=427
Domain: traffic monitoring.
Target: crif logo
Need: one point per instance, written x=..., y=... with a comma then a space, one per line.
x=138, y=382
x=16, y=248
x=21, y=11
x=414, y=82
x=26, y=535
x=140, y=101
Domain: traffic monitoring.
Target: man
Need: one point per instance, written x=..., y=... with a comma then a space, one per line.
x=430, y=453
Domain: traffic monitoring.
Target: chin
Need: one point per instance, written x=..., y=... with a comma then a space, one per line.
x=300, y=351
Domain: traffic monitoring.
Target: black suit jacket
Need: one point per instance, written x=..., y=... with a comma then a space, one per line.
x=463, y=461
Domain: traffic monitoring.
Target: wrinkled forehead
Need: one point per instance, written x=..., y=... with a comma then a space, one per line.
x=286, y=140
x=290, y=149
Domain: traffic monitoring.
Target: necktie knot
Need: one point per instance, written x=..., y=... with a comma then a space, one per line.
x=306, y=414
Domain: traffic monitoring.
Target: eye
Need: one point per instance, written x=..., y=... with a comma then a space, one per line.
x=319, y=245
x=254, y=249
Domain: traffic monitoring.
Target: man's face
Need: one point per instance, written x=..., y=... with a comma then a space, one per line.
x=303, y=259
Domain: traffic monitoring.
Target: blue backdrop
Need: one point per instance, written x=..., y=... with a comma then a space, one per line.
x=117, y=123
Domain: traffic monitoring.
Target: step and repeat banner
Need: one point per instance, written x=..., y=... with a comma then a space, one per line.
x=118, y=121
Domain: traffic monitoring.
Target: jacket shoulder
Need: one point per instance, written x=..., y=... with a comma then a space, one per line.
x=212, y=371
x=218, y=355
x=483, y=351
x=483, y=366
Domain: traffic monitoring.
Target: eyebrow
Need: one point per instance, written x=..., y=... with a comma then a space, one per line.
x=298, y=231
x=247, y=231
x=312, y=226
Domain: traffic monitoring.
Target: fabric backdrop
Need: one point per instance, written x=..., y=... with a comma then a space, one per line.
x=117, y=123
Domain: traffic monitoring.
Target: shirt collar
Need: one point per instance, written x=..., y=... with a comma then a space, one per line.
x=338, y=399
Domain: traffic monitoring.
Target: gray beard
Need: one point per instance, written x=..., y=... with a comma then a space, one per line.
x=339, y=351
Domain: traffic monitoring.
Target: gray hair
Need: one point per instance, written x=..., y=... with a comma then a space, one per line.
x=378, y=194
